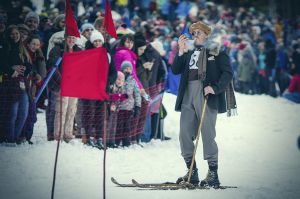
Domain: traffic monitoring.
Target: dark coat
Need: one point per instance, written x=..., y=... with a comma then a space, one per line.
x=157, y=72
x=143, y=74
x=112, y=71
x=13, y=58
x=218, y=76
x=13, y=85
x=151, y=55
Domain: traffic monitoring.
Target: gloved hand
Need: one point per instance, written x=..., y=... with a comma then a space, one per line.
x=136, y=111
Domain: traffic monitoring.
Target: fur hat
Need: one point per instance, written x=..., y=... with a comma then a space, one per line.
x=86, y=26
x=125, y=64
x=31, y=15
x=96, y=35
x=200, y=26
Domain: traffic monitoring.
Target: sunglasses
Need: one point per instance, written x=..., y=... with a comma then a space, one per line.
x=197, y=33
x=89, y=29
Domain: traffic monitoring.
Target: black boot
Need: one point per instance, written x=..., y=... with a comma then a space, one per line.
x=211, y=180
x=194, y=176
x=99, y=144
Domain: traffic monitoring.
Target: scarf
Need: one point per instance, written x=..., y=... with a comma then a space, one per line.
x=202, y=62
x=231, y=106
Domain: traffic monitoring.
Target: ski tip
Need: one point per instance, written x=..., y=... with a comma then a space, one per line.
x=225, y=187
x=113, y=180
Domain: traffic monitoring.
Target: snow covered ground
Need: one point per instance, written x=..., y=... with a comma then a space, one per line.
x=258, y=153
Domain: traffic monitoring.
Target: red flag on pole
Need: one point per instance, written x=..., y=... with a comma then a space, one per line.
x=108, y=21
x=71, y=25
x=84, y=74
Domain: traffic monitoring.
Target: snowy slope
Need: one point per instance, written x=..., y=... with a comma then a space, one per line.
x=258, y=153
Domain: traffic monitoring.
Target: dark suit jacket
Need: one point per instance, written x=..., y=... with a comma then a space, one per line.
x=218, y=76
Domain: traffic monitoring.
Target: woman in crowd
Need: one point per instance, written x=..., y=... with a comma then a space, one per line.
x=65, y=107
x=124, y=53
x=18, y=69
x=33, y=46
x=246, y=68
x=92, y=115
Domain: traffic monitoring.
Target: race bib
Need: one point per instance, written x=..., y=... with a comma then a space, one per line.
x=22, y=85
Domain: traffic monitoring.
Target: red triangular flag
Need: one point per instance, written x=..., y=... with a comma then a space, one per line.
x=82, y=82
x=108, y=21
x=71, y=25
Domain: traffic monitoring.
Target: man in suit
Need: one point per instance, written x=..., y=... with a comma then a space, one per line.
x=204, y=72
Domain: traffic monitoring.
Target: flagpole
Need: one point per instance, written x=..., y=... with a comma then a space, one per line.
x=47, y=80
x=104, y=155
x=57, y=149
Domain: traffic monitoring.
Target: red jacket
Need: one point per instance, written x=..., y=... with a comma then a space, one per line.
x=294, y=86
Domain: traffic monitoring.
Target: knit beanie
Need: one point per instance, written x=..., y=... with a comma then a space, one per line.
x=125, y=64
x=139, y=43
x=121, y=75
x=86, y=26
x=96, y=35
x=31, y=15
x=58, y=19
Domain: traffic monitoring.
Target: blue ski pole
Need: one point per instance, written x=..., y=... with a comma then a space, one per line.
x=47, y=80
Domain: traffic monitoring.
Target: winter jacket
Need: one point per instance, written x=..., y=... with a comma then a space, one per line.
x=38, y=68
x=247, y=66
x=270, y=58
x=39, y=63
x=15, y=59
x=125, y=54
x=143, y=74
x=157, y=70
x=294, y=86
x=133, y=93
x=218, y=76
x=14, y=87
x=58, y=38
x=117, y=95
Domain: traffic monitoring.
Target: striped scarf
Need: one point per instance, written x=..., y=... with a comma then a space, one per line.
x=201, y=63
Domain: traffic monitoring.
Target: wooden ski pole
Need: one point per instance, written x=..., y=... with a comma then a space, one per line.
x=197, y=137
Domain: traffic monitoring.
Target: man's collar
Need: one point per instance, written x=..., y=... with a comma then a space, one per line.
x=199, y=47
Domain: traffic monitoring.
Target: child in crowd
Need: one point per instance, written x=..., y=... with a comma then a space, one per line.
x=116, y=97
x=129, y=108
